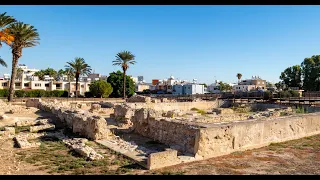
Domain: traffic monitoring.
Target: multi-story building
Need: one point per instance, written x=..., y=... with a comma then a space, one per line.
x=255, y=83
x=186, y=89
x=27, y=81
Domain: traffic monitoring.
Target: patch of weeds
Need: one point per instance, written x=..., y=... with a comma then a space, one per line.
x=194, y=109
x=90, y=143
x=19, y=129
x=283, y=114
x=301, y=110
x=1, y=128
x=280, y=145
x=202, y=112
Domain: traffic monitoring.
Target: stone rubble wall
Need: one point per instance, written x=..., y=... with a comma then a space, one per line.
x=180, y=136
x=221, y=139
x=80, y=121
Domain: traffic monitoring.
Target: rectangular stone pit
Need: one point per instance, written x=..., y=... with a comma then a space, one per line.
x=215, y=139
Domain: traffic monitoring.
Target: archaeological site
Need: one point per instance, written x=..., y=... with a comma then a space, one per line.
x=157, y=132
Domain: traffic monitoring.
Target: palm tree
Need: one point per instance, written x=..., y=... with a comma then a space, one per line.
x=70, y=73
x=60, y=74
x=4, y=32
x=79, y=67
x=40, y=74
x=19, y=73
x=239, y=75
x=3, y=63
x=25, y=36
x=123, y=59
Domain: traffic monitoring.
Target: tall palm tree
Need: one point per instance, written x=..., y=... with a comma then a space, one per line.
x=4, y=32
x=70, y=73
x=80, y=67
x=3, y=63
x=123, y=59
x=25, y=36
x=239, y=75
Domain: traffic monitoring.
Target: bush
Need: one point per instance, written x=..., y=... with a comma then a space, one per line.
x=267, y=95
x=19, y=93
x=294, y=93
x=34, y=93
x=4, y=92
x=88, y=94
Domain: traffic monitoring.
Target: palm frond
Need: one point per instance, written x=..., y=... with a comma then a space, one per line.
x=5, y=20
x=25, y=35
x=3, y=63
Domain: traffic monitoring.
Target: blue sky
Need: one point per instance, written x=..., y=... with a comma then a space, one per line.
x=202, y=42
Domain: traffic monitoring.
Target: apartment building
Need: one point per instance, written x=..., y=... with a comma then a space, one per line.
x=27, y=81
x=255, y=83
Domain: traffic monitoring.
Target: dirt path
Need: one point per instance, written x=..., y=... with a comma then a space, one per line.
x=10, y=163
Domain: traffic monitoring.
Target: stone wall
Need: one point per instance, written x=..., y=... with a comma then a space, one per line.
x=223, y=139
x=179, y=135
x=80, y=121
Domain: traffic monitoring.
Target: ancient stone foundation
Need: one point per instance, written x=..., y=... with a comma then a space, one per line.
x=205, y=140
x=81, y=122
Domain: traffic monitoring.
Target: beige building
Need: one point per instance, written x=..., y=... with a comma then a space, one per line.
x=255, y=83
x=141, y=87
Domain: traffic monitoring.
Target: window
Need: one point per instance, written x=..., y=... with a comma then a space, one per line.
x=58, y=85
x=17, y=84
x=189, y=87
x=46, y=85
x=26, y=84
x=4, y=84
x=82, y=86
x=37, y=84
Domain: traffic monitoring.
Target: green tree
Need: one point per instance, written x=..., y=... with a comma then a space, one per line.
x=25, y=36
x=123, y=59
x=116, y=81
x=59, y=75
x=311, y=73
x=204, y=84
x=239, y=76
x=79, y=67
x=292, y=76
x=40, y=74
x=100, y=88
x=50, y=72
x=225, y=87
x=5, y=36
x=269, y=84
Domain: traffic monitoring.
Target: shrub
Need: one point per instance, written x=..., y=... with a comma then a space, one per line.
x=19, y=93
x=34, y=93
x=88, y=94
x=294, y=93
x=267, y=95
x=4, y=92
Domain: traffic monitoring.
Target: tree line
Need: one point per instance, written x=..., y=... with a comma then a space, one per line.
x=19, y=35
x=305, y=76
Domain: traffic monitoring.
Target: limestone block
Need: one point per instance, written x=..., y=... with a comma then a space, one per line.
x=163, y=159
x=48, y=127
x=33, y=102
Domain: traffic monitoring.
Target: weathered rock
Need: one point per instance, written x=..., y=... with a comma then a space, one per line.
x=48, y=127
x=95, y=107
x=223, y=110
x=79, y=146
x=23, y=142
x=33, y=102
x=138, y=98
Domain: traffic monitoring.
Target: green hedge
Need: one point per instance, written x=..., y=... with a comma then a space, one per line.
x=34, y=93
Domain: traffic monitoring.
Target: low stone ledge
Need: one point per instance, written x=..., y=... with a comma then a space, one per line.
x=79, y=146
x=48, y=127
x=163, y=159
x=23, y=142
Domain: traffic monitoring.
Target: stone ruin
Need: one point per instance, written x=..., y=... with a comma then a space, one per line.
x=81, y=122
